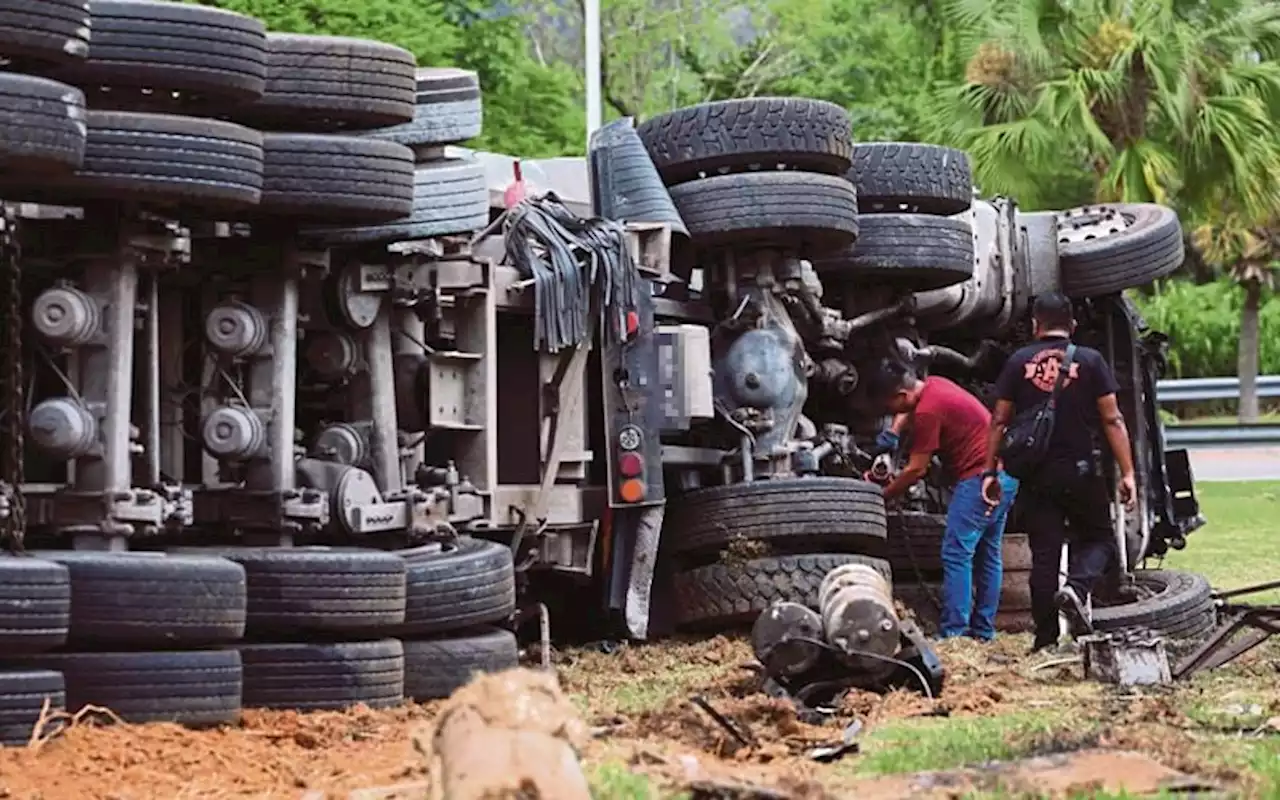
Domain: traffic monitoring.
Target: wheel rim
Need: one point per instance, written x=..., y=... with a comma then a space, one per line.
x=1092, y=222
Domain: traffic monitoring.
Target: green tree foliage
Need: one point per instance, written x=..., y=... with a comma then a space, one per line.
x=875, y=59
x=1203, y=323
x=1154, y=100
x=645, y=45
x=531, y=109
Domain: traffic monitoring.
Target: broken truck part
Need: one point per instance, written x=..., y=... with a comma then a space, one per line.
x=854, y=639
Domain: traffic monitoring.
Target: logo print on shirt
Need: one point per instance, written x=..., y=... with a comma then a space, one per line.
x=1043, y=368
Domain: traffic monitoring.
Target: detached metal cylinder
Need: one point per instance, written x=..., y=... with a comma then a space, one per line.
x=783, y=638
x=233, y=434
x=63, y=428
x=66, y=317
x=856, y=605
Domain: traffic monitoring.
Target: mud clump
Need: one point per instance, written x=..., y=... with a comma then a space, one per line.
x=512, y=734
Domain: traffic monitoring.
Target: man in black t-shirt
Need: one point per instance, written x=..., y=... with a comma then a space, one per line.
x=1069, y=493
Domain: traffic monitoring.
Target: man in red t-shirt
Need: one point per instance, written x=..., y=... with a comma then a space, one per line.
x=947, y=420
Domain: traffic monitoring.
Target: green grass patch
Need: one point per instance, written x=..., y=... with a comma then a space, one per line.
x=1269, y=418
x=926, y=744
x=612, y=780
x=1240, y=545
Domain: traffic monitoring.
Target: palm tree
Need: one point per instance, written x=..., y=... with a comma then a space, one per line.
x=1250, y=252
x=1147, y=100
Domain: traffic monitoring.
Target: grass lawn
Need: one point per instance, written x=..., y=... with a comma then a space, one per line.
x=1240, y=545
x=1268, y=418
x=1196, y=726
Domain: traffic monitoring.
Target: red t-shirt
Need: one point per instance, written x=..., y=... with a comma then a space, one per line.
x=953, y=423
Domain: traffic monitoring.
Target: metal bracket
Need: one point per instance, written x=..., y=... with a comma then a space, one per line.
x=1261, y=622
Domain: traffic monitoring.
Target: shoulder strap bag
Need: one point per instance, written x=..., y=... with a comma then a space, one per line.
x=1025, y=444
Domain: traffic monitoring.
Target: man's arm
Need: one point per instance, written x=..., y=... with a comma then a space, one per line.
x=1117, y=434
x=916, y=468
x=927, y=438
x=999, y=422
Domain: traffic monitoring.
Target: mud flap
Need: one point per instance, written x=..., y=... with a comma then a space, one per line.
x=635, y=547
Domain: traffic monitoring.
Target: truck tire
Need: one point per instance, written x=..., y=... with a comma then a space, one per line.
x=903, y=176
x=628, y=183
x=919, y=600
x=1015, y=622
x=319, y=178
x=471, y=582
x=23, y=694
x=1016, y=552
x=912, y=251
x=325, y=84
x=209, y=56
x=731, y=135
x=151, y=599
x=834, y=513
x=157, y=159
x=732, y=594
x=196, y=688
x=816, y=213
x=449, y=197
x=43, y=128
x=35, y=604
x=316, y=676
x=35, y=33
x=436, y=668
x=300, y=590
x=1179, y=606
x=915, y=544
x=447, y=109
x=1106, y=249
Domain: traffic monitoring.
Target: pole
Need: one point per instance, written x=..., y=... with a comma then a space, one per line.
x=591, y=50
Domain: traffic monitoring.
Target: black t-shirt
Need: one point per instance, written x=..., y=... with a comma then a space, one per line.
x=1028, y=377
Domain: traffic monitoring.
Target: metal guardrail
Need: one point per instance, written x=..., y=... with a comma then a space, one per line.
x=1200, y=437
x=1187, y=390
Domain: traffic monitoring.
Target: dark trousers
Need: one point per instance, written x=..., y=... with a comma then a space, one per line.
x=1060, y=506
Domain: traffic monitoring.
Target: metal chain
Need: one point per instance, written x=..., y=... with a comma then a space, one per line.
x=13, y=406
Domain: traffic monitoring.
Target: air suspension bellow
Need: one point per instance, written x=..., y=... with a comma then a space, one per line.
x=343, y=443
x=63, y=428
x=236, y=329
x=233, y=433
x=66, y=317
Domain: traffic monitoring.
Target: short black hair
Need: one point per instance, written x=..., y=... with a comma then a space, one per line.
x=1053, y=310
x=889, y=378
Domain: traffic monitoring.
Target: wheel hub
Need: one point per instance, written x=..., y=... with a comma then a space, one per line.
x=1091, y=222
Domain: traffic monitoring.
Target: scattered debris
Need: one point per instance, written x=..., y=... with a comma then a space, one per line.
x=848, y=744
x=1132, y=657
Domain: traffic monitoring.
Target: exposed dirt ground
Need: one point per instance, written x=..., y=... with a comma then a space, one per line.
x=997, y=705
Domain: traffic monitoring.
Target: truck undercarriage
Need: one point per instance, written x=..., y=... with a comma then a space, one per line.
x=317, y=359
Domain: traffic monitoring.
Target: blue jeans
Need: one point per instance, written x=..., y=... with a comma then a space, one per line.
x=972, y=565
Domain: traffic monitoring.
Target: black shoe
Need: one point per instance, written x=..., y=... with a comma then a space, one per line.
x=1039, y=645
x=1079, y=621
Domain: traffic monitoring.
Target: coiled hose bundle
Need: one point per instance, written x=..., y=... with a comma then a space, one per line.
x=577, y=267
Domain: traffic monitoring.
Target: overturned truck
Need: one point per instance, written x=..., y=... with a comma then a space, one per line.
x=262, y=317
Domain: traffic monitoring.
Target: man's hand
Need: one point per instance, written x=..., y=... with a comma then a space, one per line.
x=992, y=493
x=1128, y=491
x=886, y=442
